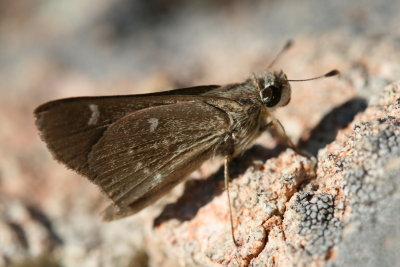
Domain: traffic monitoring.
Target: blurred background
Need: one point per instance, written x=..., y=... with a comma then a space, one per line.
x=54, y=49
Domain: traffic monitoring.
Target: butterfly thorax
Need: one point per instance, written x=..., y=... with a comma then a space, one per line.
x=247, y=106
x=246, y=116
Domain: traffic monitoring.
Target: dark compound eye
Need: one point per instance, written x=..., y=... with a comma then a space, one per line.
x=271, y=95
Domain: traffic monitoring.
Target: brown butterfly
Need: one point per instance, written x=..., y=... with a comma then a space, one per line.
x=138, y=147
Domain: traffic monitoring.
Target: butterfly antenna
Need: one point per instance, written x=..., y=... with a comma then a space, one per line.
x=326, y=75
x=288, y=44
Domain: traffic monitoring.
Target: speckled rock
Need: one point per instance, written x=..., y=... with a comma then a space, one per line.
x=292, y=212
x=338, y=208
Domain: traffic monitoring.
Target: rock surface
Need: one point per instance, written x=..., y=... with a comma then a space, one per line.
x=290, y=212
x=338, y=208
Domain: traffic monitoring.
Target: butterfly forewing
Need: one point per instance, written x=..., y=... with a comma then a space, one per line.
x=154, y=148
x=71, y=127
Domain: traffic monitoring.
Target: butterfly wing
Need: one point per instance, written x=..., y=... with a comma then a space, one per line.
x=144, y=154
x=71, y=126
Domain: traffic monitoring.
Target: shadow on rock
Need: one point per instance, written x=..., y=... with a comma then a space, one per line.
x=198, y=193
x=338, y=118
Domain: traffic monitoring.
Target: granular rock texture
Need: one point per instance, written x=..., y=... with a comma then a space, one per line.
x=317, y=222
x=290, y=212
x=337, y=208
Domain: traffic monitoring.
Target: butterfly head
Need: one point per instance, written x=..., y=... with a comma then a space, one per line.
x=274, y=89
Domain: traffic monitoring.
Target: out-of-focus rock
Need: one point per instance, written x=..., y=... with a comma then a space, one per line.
x=338, y=208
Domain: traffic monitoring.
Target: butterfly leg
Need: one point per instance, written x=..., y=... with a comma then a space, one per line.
x=227, y=179
x=287, y=139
